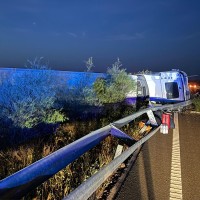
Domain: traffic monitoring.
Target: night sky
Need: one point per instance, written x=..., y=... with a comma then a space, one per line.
x=157, y=35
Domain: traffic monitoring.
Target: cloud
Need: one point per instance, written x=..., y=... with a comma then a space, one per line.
x=22, y=30
x=77, y=35
x=124, y=37
x=74, y=35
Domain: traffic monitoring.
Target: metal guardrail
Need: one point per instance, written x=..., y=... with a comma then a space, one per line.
x=23, y=181
x=129, y=118
x=86, y=189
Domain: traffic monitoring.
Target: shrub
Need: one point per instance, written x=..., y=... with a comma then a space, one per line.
x=28, y=97
x=117, y=85
x=80, y=93
x=196, y=102
x=145, y=71
x=89, y=64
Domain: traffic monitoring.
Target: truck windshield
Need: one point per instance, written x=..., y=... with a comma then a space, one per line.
x=172, y=90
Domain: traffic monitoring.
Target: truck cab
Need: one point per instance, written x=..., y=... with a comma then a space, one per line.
x=164, y=87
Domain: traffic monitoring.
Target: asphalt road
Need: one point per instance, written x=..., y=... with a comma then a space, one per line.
x=150, y=176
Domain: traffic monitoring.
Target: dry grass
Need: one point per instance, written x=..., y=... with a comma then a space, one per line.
x=66, y=180
x=16, y=158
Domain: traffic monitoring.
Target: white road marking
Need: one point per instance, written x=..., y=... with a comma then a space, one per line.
x=175, y=181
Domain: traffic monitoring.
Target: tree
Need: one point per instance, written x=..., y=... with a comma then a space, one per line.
x=145, y=71
x=27, y=97
x=81, y=93
x=89, y=64
x=116, y=86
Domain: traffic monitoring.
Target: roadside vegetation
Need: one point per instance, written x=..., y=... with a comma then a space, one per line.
x=29, y=98
x=115, y=88
x=16, y=158
x=145, y=71
x=196, y=103
x=39, y=115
